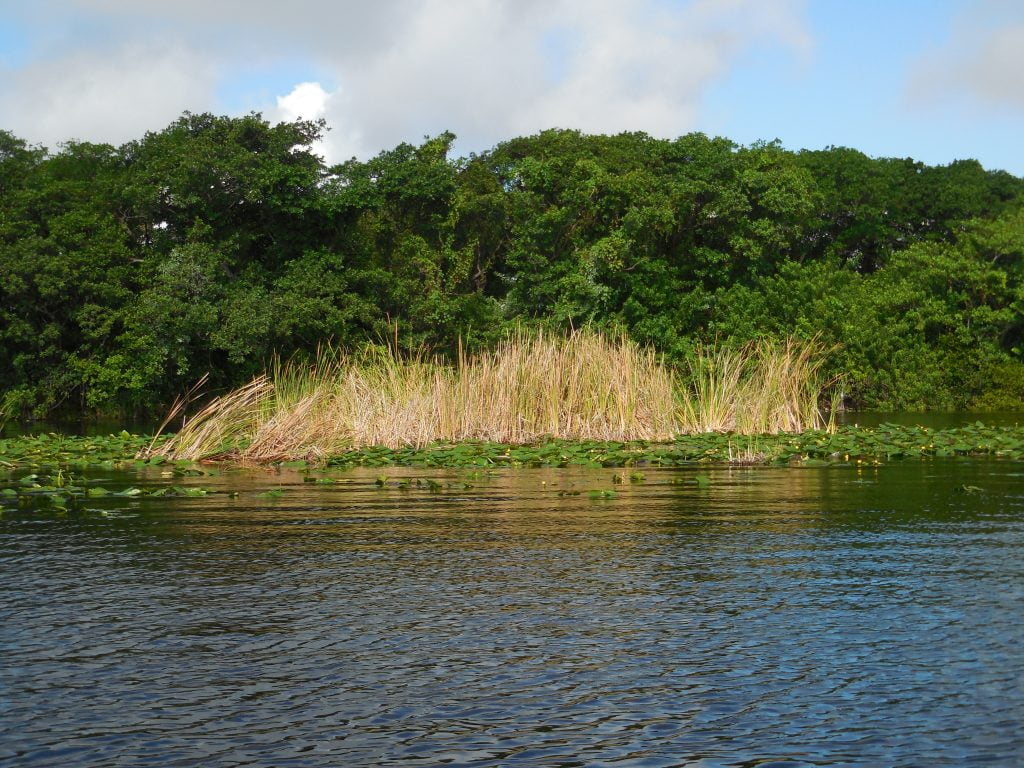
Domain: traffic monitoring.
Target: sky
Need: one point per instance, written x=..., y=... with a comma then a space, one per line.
x=936, y=80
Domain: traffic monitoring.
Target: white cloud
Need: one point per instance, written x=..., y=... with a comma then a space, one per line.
x=104, y=96
x=995, y=71
x=483, y=71
x=486, y=69
x=983, y=61
x=307, y=101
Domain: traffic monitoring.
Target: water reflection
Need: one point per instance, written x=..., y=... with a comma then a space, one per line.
x=825, y=616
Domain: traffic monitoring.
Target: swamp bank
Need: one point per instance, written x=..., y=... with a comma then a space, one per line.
x=845, y=444
x=531, y=388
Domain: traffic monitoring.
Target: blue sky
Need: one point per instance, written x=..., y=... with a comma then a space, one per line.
x=937, y=80
x=861, y=87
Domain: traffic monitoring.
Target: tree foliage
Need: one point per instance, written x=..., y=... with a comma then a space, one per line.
x=126, y=273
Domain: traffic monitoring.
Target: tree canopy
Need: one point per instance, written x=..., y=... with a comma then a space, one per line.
x=126, y=273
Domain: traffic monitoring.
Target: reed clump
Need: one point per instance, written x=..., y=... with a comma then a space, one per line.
x=582, y=386
x=764, y=387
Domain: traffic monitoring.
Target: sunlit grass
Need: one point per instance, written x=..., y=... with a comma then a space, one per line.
x=764, y=387
x=583, y=386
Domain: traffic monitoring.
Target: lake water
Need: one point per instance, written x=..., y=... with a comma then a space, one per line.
x=778, y=617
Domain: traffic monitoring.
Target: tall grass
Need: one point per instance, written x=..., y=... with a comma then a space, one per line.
x=9, y=405
x=581, y=386
x=766, y=386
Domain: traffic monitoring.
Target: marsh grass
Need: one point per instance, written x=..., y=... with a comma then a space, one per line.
x=764, y=387
x=583, y=386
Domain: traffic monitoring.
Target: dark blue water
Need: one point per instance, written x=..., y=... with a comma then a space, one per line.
x=778, y=617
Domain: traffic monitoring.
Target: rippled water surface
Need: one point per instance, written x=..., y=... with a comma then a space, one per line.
x=778, y=617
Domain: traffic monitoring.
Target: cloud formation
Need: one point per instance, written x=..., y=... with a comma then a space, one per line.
x=306, y=101
x=486, y=69
x=109, y=95
x=982, y=61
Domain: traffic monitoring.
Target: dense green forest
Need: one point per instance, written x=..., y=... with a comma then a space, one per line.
x=128, y=272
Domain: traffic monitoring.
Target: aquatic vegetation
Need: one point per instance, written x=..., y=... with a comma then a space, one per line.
x=224, y=425
x=749, y=451
x=846, y=444
x=43, y=474
x=766, y=386
x=530, y=388
x=583, y=386
x=72, y=451
x=969, y=489
x=64, y=492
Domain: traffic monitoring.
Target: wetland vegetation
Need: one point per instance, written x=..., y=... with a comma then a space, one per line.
x=209, y=247
x=579, y=387
x=844, y=444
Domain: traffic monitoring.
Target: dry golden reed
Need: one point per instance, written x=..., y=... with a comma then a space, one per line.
x=583, y=386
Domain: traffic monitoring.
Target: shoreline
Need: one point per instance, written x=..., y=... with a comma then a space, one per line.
x=845, y=445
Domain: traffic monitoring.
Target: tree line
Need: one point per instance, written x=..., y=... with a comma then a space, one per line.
x=126, y=273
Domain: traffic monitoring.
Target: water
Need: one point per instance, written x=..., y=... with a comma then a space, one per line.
x=779, y=617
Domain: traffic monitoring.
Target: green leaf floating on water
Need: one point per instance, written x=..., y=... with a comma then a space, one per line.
x=969, y=489
x=276, y=493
